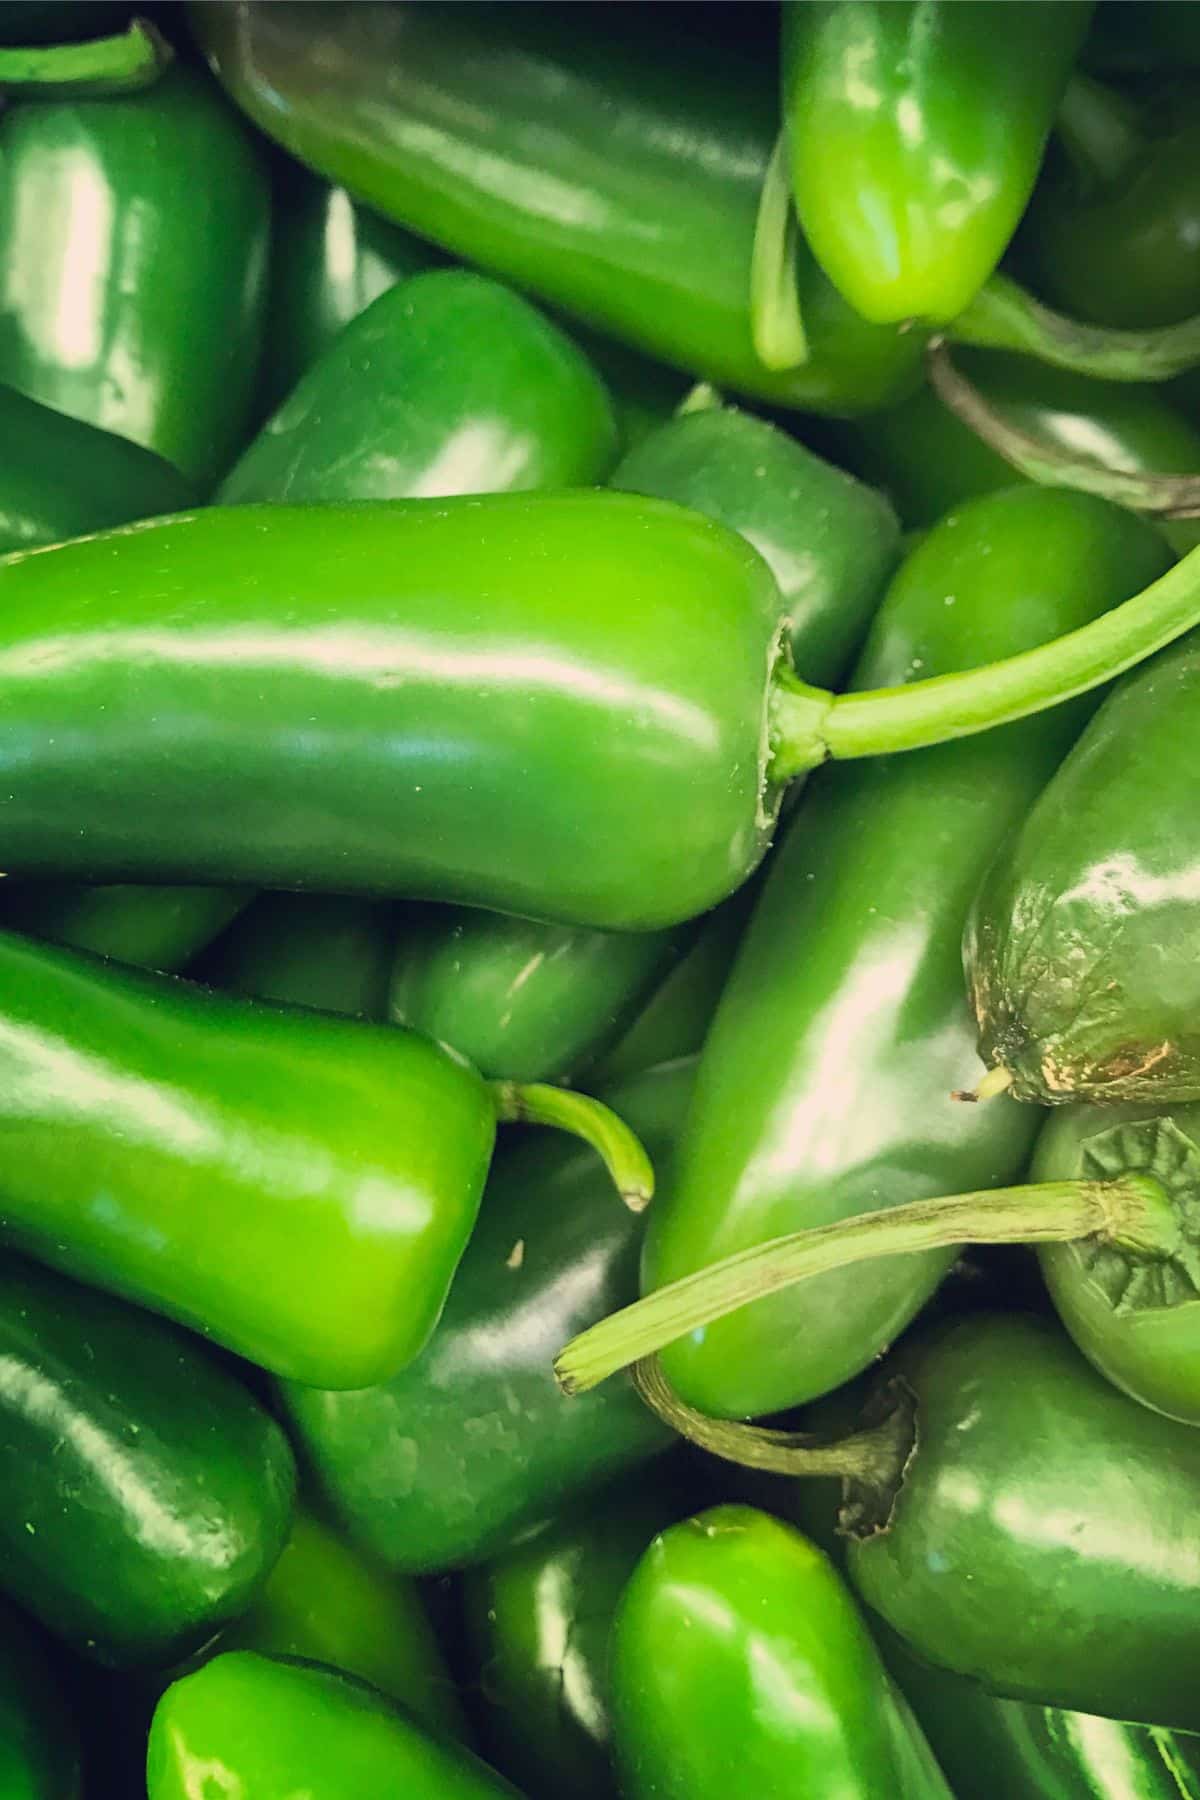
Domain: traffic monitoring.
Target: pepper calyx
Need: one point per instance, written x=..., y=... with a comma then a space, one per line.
x=1135, y=1271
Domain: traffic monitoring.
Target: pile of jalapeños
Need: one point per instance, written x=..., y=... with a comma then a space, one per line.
x=633, y=570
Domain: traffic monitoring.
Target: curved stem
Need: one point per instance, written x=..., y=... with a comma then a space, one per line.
x=1133, y=1210
x=1162, y=496
x=1100, y=130
x=122, y=64
x=538, y=1103
x=1003, y=316
x=776, y=322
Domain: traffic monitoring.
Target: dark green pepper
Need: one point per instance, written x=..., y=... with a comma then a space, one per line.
x=145, y=1493
x=319, y=950
x=119, y=305
x=266, y=1729
x=915, y=132
x=740, y=1664
x=39, y=1743
x=151, y=927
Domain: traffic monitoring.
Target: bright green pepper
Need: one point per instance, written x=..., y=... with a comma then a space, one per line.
x=741, y=1664
x=260, y=1729
x=146, y=1495
x=915, y=132
x=151, y=927
x=119, y=304
x=616, y=174
x=319, y=950
x=39, y=1743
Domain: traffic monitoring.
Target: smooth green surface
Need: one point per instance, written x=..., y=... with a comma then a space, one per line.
x=133, y=254
x=1041, y=1539
x=615, y=174
x=1080, y=946
x=145, y=1494
x=319, y=950
x=246, y=1727
x=473, y=1446
x=916, y=130
x=740, y=1664
x=475, y=739
x=39, y=1743
x=298, y=1187
x=446, y=384
x=675, y=1020
x=152, y=927
x=824, y=1086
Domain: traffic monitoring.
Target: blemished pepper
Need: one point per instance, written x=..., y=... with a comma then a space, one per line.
x=39, y=1743
x=158, y=340
x=447, y=384
x=824, y=1081
x=615, y=173
x=151, y=927
x=325, y=951
x=539, y=1624
x=159, y=1122
x=146, y=1494
x=915, y=133
x=471, y=1448
x=264, y=1728
x=741, y=1664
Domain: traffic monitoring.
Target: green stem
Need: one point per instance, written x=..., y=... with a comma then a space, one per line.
x=807, y=725
x=1100, y=130
x=1133, y=1211
x=538, y=1103
x=703, y=397
x=1162, y=496
x=776, y=322
x=123, y=64
x=1003, y=316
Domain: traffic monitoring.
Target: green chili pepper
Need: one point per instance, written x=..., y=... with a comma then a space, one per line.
x=470, y=1449
x=916, y=130
x=741, y=1664
x=265, y=1728
x=118, y=304
x=151, y=927
x=447, y=384
x=539, y=1621
x=616, y=174
x=824, y=1079
x=318, y=950
x=123, y=64
x=39, y=1743
x=148, y=1111
x=145, y=1494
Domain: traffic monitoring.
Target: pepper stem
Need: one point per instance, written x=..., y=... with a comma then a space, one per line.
x=1133, y=1211
x=1162, y=496
x=1003, y=316
x=539, y=1103
x=1100, y=130
x=123, y=64
x=776, y=322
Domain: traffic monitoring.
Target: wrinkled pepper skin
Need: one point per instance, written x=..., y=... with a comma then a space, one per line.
x=432, y=644
x=152, y=1123
x=824, y=1085
x=39, y=1743
x=615, y=174
x=146, y=1495
x=916, y=130
x=539, y=1624
x=1081, y=946
x=472, y=1447
x=159, y=340
x=271, y=1730
x=62, y=477
x=1041, y=1535
x=323, y=951
x=151, y=927
x=740, y=1664
x=447, y=384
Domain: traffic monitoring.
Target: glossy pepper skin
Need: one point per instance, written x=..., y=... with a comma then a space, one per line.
x=267, y=1729
x=324, y=951
x=614, y=174
x=62, y=477
x=118, y=305
x=916, y=130
x=447, y=384
x=151, y=927
x=472, y=1448
x=740, y=1664
x=39, y=1744
x=1040, y=1538
x=1080, y=947
x=431, y=643
x=145, y=1493
x=154, y=1123
x=539, y=1623
x=825, y=1079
